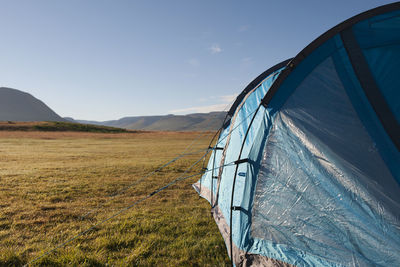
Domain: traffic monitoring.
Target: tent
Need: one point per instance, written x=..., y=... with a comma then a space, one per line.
x=306, y=167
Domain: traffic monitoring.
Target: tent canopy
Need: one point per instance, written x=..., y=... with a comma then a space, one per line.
x=306, y=169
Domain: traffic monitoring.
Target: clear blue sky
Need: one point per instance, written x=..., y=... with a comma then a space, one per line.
x=102, y=60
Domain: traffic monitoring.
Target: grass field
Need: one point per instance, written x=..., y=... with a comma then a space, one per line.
x=50, y=180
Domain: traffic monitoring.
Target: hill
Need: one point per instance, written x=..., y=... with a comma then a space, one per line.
x=16, y=105
x=192, y=122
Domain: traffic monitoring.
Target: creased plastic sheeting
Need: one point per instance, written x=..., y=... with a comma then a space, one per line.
x=323, y=192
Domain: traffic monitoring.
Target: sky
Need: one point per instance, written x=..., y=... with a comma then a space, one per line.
x=108, y=59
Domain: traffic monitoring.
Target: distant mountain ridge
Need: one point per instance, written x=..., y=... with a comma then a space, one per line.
x=192, y=122
x=19, y=106
x=16, y=105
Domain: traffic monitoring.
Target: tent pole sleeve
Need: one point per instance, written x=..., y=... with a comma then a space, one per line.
x=234, y=181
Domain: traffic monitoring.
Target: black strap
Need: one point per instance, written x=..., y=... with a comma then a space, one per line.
x=240, y=161
x=216, y=148
x=371, y=89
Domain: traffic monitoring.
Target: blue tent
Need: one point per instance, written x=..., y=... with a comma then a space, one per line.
x=306, y=168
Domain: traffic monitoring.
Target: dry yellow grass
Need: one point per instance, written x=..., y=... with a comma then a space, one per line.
x=50, y=180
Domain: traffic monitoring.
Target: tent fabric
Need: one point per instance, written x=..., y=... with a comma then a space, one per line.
x=307, y=170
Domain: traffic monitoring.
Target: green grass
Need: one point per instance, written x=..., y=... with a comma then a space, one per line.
x=49, y=180
x=55, y=126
